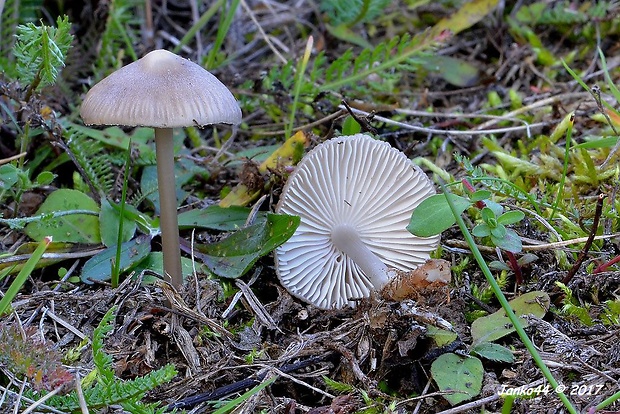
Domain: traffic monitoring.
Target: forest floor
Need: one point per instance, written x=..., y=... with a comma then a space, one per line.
x=479, y=94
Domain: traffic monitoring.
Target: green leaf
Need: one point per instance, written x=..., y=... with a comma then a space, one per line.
x=433, y=215
x=499, y=232
x=41, y=51
x=236, y=254
x=9, y=175
x=45, y=178
x=497, y=265
x=231, y=405
x=99, y=267
x=607, y=142
x=109, y=220
x=154, y=262
x=511, y=217
x=350, y=126
x=74, y=228
x=23, y=275
x=480, y=195
x=218, y=218
x=511, y=242
x=493, y=352
x=481, y=230
x=345, y=33
x=495, y=207
x=488, y=216
x=497, y=325
x=460, y=375
x=441, y=337
x=456, y=71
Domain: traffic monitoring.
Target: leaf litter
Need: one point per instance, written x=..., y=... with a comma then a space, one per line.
x=227, y=336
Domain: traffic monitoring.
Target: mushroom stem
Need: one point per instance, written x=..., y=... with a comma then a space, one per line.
x=168, y=220
x=346, y=238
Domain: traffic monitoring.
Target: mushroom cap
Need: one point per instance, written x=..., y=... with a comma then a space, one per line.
x=160, y=90
x=358, y=181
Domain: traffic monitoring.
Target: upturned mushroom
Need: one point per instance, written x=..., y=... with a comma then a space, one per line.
x=163, y=91
x=355, y=196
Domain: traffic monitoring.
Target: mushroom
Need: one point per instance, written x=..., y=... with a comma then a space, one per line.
x=355, y=196
x=163, y=91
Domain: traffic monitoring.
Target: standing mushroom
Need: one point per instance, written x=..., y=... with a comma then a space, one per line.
x=163, y=91
x=355, y=196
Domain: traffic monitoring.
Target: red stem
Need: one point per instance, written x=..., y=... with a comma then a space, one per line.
x=604, y=266
x=470, y=189
x=515, y=268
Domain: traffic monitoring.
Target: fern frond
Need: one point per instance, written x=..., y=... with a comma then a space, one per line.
x=351, y=12
x=386, y=62
x=13, y=14
x=110, y=390
x=116, y=392
x=92, y=160
x=103, y=361
x=385, y=59
x=41, y=51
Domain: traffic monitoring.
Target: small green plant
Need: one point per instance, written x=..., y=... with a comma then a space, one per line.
x=41, y=52
x=351, y=12
x=253, y=355
x=107, y=389
x=494, y=224
x=15, y=181
x=572, y=307
x=433, y=216
x=31, y=359
x=121, y=33
x=510, y=314
x=611, y=313
x=213, y=58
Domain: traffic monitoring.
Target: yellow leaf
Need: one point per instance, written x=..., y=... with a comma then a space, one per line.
x=468, y=15
x=287, y=154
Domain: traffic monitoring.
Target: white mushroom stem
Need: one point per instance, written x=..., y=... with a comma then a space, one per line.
x=346, y=238
x=168, y=220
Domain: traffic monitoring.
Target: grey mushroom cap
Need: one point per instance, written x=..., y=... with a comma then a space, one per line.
x=160, y=90
x=367, y=187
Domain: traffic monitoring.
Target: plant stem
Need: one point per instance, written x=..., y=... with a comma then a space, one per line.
x=588, y=244
x=116, y=267
x=558, y=197
x=604, y=266
x=222, y=31
x=504, y=302
x=168, y=220
x=514, y=264
x=299, y=78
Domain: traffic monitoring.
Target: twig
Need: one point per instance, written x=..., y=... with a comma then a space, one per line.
x=225, y=390
x=532, y=248
x=586, y=247
x=474, y=404
x=18, y=223
x=450, y=132
x=5, y=261
x=262, y=33
x=13, y=158
x=365, y=122
x=41, y=400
